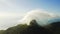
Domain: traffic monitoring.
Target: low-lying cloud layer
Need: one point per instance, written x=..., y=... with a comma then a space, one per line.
x=8, y=19
x=42, y=17
x=11, y=19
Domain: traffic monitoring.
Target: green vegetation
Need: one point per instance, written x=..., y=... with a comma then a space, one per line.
x=2, y=31
x=33, y=28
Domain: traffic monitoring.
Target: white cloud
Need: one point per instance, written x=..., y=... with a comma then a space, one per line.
x=9, y=19
x=41, y=16
x=8, y=13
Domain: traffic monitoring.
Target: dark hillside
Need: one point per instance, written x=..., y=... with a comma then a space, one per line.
x=33, y=28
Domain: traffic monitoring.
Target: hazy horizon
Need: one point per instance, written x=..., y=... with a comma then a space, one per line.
x=11, y=11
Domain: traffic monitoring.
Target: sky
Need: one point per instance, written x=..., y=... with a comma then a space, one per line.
x=13, y=10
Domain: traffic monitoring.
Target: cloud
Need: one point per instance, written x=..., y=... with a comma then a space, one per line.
x=8, y=19
x=7, y=14
x=40, y=16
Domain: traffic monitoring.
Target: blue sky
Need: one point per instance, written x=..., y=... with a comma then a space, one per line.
x=50, y=5
x=13, y=10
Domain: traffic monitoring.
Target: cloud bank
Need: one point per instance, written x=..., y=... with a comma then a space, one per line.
x=8, y=19
x=42, y=17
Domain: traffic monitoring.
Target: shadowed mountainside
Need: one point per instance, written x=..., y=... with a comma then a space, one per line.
x=34, y=28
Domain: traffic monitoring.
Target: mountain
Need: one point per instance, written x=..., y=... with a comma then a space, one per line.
x=2, y=31
x=55, y=27
x=34, y=28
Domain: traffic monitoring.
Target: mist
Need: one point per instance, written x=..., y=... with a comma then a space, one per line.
x=42, y=17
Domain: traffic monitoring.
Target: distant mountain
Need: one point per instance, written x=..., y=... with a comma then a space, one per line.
x=54, y=20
